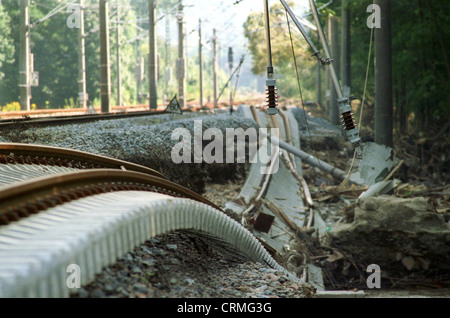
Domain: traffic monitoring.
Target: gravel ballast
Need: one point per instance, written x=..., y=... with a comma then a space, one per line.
x=143, y=140
x=179, y=265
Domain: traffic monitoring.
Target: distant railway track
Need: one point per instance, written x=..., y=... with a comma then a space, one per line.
x=26, y=154
x=66, y=116
x=49, y=117
x=71, y=119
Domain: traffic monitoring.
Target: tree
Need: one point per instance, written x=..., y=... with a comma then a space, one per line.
x=283, y=61
x=9, y=88
x=383, y=77
x=6, y=42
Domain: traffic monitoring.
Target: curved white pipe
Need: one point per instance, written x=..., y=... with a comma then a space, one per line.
x=94, y=232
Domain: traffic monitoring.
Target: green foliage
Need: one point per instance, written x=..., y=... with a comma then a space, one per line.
x=6, y=43
x=70, y=103
x=282, y=58
x=11, y=107
x=420, y=46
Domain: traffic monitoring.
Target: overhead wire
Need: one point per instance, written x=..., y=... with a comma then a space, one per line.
x=56, y=10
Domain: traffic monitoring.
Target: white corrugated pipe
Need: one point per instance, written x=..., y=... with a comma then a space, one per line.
x=36, y=253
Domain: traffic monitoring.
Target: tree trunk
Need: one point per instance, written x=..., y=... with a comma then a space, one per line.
x=345, y=48
x=383, y=77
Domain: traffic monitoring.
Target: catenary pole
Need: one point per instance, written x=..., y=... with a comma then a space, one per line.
x=105, y=76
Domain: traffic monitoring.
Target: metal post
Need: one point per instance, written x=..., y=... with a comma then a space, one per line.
x=105, y=76
x=200, y=60
x=82, y=95
x=345, y=49
x=152, y=55
x=268, y=43
x=230, y=65
x=332, y=33
x=25, y=90
x=167, y=72
x=348, y=121
x=181, y=67
x=326, y=48
x=119, y=75
x=138, y=72
x=215, y=82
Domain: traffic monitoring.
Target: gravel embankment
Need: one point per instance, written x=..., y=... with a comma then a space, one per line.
x=179, y=265
x=142, y=140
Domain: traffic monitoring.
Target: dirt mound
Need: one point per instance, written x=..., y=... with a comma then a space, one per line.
x=396, y=234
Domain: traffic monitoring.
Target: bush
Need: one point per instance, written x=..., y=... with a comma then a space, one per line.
x=12, y=107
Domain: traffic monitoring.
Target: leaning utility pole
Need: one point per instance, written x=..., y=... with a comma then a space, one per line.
x=333, y=35
x=181, y=67
x=82, y=95
x=345, y=48
x=215, y=82
x=25, y=89
x=383, y=77
x=105, y=79
x=152, y=54
x=200, y=59
x=119, y=75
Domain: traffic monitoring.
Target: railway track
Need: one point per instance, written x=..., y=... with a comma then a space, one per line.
x=71, y=119
x=78, y=116
x=60, y=207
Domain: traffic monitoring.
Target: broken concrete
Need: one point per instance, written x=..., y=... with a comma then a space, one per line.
x=396, y=234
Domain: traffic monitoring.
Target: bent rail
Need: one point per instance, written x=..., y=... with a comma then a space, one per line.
x=17, y=153
x=29, y=197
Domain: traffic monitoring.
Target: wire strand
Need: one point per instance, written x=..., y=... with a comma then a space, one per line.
x=300, y=89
